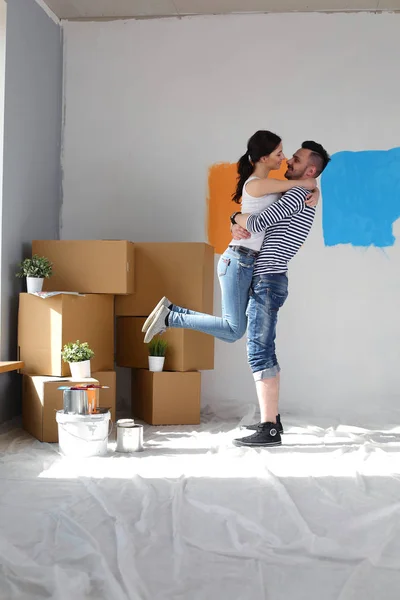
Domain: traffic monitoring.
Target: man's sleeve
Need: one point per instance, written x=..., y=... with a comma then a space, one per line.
x=289, y=204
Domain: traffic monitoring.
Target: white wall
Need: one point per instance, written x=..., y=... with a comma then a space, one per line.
x=150, y=105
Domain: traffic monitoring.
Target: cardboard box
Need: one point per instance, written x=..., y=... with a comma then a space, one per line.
x=41, y=398
x=166, y=398
x=88, y=266
x=183, y=272
x=187, y=350
x=46, y=324
x=107, y=398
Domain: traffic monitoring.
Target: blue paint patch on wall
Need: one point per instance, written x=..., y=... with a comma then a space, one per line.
x=361, y=198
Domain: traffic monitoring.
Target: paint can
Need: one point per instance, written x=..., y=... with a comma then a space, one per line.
x=129, y=436
x=83, y=436
x=76, y=402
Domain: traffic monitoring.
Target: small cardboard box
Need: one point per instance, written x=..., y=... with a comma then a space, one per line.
x=187, y=350
x=183, y=272
x=88, y=266
x=166, y=398
x=46, y=324
x=41, y=399
x=107, y=398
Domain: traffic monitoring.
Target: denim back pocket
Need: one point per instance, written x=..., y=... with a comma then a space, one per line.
x=223, y=265
x=271, y=290
x=276, y=300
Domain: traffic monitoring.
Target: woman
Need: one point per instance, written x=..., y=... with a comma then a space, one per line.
x=256, y=191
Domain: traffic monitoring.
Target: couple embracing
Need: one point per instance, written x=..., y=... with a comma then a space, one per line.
x=274, y=222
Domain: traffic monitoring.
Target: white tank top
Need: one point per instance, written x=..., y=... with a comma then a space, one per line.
x=250, y=204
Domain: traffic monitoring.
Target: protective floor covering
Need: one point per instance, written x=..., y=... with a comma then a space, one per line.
x=194, y=518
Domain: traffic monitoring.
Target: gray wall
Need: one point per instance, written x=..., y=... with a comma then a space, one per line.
x=32, y=173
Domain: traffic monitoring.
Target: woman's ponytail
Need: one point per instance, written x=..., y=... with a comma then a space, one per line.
x=244, y=169
x=262, y=143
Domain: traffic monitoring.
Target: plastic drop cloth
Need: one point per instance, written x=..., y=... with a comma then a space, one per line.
x=194, y=518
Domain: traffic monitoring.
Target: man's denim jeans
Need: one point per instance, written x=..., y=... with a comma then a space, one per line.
x=235, y=272
x=268, y=293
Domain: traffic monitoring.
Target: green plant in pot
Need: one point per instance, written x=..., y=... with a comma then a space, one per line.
x=78, y=356
x=157, y=350
x=36, y=270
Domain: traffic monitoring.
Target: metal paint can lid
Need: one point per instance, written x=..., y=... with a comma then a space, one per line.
x=125, y=423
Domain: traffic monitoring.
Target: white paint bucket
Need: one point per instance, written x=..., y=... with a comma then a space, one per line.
x=81, y=436
x=34, y=284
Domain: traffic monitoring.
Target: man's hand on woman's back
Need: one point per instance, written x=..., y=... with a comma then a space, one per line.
x=239, y=233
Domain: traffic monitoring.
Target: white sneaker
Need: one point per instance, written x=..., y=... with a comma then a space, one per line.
x=158, y=324
x=163, y=302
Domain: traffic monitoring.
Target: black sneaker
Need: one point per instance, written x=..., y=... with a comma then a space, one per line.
x=267, y=434
x=279, y=425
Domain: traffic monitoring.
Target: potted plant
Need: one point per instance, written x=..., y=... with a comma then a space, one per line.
x=157, y=351
x=35, y=269
x=78, y=356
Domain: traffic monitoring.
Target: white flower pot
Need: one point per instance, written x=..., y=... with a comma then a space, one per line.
x=156, y=363
x=34, y=284
x=80, y=370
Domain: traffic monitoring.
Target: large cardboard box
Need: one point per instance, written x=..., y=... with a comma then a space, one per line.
x=107, y=398
x=183, y=272
x=88, y=266
x=166, y=398
x=46, y=324
x=41, y=398
x=187, y=350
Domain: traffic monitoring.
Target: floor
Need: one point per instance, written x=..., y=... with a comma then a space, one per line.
x=194, y=518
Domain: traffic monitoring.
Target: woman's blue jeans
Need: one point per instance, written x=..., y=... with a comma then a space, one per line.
x=235, y=272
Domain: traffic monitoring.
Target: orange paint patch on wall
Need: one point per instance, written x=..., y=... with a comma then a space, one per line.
x=222, y=179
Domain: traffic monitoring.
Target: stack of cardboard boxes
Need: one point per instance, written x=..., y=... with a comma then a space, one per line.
x=97, y=270
x=115, y=277
x=184, y=273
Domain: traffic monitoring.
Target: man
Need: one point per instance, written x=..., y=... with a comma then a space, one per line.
x=287, y=224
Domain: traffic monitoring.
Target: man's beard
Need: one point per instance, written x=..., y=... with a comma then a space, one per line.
x=291, y=175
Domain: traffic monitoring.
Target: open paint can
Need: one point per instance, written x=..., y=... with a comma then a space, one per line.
x=75, y=401
x=81, y=399
x=129, y=436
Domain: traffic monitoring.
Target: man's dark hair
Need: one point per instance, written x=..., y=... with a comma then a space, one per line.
x=319, y=156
